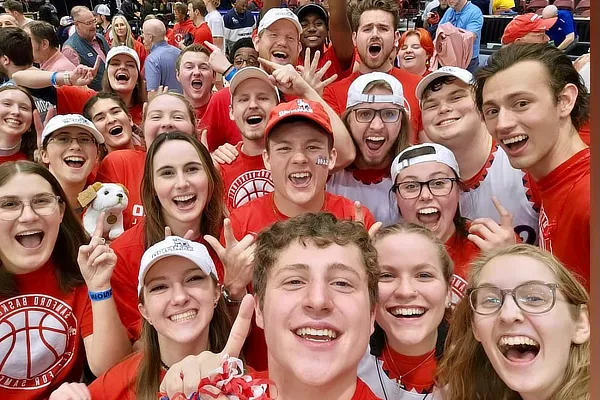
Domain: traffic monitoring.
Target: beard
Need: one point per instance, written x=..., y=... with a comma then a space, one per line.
x=378, y=63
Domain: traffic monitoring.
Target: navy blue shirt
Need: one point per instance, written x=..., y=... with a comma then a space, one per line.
x=564, y=25
x=237, y=26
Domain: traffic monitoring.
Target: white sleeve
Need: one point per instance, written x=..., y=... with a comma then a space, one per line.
x=216, y=26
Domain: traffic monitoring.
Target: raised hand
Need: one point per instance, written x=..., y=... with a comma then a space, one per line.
x=71, y=391
x=189, y=235
x=97, y=260
x=82, y=75
x=313, y=75
x=225, y=154
x=488, y=235
x=153, y=93
x=360, y=217
x=286, y=78
x=237, y=258
x=184, y=376
x=217, y=60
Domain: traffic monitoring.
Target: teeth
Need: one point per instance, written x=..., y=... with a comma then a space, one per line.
x=448, y=121
x=183, y=198
x=376, y=138
x=408, y=311
x=316, y=332
x=183, y=316
x=429, y=210
x=515, y=139
x=12, y=121
x=517, y=340
x=300, y=175
x=28, y=233
x=75, y=159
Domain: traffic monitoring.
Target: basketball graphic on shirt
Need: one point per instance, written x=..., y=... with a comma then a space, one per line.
x=249, y=186
x=37, y=339
x=459, y=285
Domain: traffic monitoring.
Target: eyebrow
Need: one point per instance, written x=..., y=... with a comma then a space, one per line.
x=533, y=281
x=185, y=165
x=434, y=175
x=14, y=197
x=509, y=97
x=163, y=277
x=335, y=266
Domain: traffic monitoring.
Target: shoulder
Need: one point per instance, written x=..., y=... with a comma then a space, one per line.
x=132, y=238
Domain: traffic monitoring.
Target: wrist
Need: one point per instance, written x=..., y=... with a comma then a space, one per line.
x=100, y=295
x=233, y=295
x=226, y=70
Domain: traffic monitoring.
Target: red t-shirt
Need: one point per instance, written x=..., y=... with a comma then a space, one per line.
x=136, y=112
x=127, y=168
x=584, y=133
x=336, y=95
x=462, y=252
x=565, y=214
x=71, y=99
x=18, y=156
x=203, y=34
x=335, y=67
x=180, y=30
x=119, y=381
x=408, y=370
x=220, y=129
x=199, y=112
x=260, y=213
x=245, y=179
x=41, y=333
x=129, y=248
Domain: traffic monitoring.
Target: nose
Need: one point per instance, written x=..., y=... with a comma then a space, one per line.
x=317, y=299
x=405, y=289
x=28, y=215
x=299, y=157
x=504, y=122
x=179, y=295
x=120, y=195
x=166, y=123
x=444, y=108
x=510, y=312
x=377, y=123
x=181, y=180
x=425, y=193
x=14, y=109
x=74, y=144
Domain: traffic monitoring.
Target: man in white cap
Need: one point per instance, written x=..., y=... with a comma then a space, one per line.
x=450, y=118
x=102, y=14
x=378, y=123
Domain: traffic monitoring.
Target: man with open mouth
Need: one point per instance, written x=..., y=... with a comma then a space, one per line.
x=533, y=103
x=374, y=34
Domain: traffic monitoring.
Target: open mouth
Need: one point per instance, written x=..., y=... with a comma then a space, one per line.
x=409, y=57
x=518, y=348
x=75, y=161
x=197, y=84
x=185, y=202
x=447, y=122
x=254, y=120
x=317, y=335
x=30, y=239
x=184, y=316
x=279, y=55
x=429, y=215
x=116, y=130
x=374, y=50
x=375, y=142
x=407, y=312
x=516, y=142
x=122, y=77
x=15, y=123
x=300, y=179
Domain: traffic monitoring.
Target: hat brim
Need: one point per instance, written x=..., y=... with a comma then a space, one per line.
x=131, y=54
x=94, y=132
x=433, y=76
x=292, y=20
x=546, y=23
x=250, y=73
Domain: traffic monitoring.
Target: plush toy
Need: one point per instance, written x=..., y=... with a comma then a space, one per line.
x=110, y=198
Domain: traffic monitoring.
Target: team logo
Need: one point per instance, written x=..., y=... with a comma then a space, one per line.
x=545, y=231
x=459, y=286
x=249, y=186
x=38, y=334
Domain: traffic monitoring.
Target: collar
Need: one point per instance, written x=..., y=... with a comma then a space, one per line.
x=159, y=44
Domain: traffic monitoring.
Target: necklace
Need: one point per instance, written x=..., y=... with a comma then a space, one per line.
x=10, y=150
x=397, y=370
x=163, y=365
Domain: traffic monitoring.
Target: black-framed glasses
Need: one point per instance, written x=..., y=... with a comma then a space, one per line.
x=65, y=140
x=530, y=297
x=387, y=115
x=412, y=189
x=240, y=62
x=42, y=205
x=88, y=23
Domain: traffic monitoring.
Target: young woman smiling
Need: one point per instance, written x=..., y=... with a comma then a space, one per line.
x=412, y=313
x=17, y=137
x=44, y=298
x=181, y=190
x=415, y=49
x=522, y=333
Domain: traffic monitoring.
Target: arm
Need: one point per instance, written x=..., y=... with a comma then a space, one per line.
x=341, y=33
x=71, y=54
x=36, y=79
x=568, y=40
x=475, y=25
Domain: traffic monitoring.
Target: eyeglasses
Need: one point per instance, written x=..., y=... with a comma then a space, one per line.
x=239, y=62
x=42, y=205
x=66, y=140
x=87, y=23
x=412, y=189
x=530, y=297
x=387, y=115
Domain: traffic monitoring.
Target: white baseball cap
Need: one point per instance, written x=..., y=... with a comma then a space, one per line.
x=456, y=72
x=251, y=73
x=63, y=121
x=176, y=246
x=102, y=9
x=274, y=15
x=115, y=51
x=356, y=93
x=427, y=152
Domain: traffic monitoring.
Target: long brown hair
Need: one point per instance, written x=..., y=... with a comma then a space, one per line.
x=71, y=234
x=465, y=372
x=147, y=383
x=128, y=36
x=139, y=95
x=214, y=211
x=29, y=138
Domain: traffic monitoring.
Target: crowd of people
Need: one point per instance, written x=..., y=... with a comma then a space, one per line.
x=315, y=205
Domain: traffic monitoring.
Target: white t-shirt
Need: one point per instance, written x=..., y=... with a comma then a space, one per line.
x=215, y=23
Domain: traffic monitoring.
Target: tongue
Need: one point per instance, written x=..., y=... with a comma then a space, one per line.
x=30, y=241
x=520, y=356
x=374, y=145
x=317, y=338
x=197, y=85
x=300, y=181
x=74, y=164
x=429, y=218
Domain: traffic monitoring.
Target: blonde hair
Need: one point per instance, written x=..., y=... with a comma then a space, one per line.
x=465, y=372
x=128, y=36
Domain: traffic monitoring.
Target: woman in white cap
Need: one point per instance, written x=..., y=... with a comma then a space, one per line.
x=68, y=91
x=412, y=313
x=183, y=314
x=427, y=183
x=17, y=137
x=54, y=314
x=70, y=149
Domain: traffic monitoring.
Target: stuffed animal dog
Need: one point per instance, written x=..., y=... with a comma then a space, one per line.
x=110, y=198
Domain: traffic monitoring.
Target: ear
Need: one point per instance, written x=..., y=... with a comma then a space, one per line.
x=260, y=321
x=396, y=38
x=124, y=189
x=44, y=156
x=372, y=322
x=144, y=313
x=266, y=159
x=88, y=195
x=231, y=117
x=217, y=294
x=449, y=295
x=256, y=41
x=582, y=326
x=354, y=39
x=177, y=75
x=567, y=99
x=332, y=159
x=97, y=186
x=45, y=44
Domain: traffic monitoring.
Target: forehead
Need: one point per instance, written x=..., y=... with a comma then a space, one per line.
x=416, y=249
x=104, y=104
x=525, y=76
x=297, y=132
x=425, y=170
x=25, y=185
x=412, y=39
x=319, y=259
x=186, y=153
x=253, y=85
x=167, y=102
x=311, y=16
x=376, y=17
x=246, y=51
x=171, y=267
x=125, y=58
x=71, y=130
x=283, y=26
x=85, y=15
x=15, y=95
x=511, y=270
x=194, y=56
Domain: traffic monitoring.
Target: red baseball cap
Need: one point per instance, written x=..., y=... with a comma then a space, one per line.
x=299, y=108
x=523, y=24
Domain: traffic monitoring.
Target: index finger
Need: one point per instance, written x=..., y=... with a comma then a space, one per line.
x=228, y=233
x=358, y=213
x=96, y=66
x=99, y=231
x=506, y=218
x=211, y=46
x=168, y=232
x=268, y=63
x=307, y=58
x=240, y=328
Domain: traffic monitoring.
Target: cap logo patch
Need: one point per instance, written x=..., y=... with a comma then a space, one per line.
x=178, y=245
x=75, y=120
x=301, y=107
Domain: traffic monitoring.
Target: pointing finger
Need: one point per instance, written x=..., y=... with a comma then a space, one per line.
x=240, y=328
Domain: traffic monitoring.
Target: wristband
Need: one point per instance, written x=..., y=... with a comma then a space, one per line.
x=230, y=300
x=99, y=296
x=67, y=79
x=53, y=79
x=230, y=74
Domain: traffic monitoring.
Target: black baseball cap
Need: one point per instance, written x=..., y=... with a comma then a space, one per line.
x=312, y=8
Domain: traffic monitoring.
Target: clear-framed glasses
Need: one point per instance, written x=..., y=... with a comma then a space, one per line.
x=387, y=115
x=88, y=23
x=65, y=140
x=41, y=204
x=530, y=297
x=412, y=189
